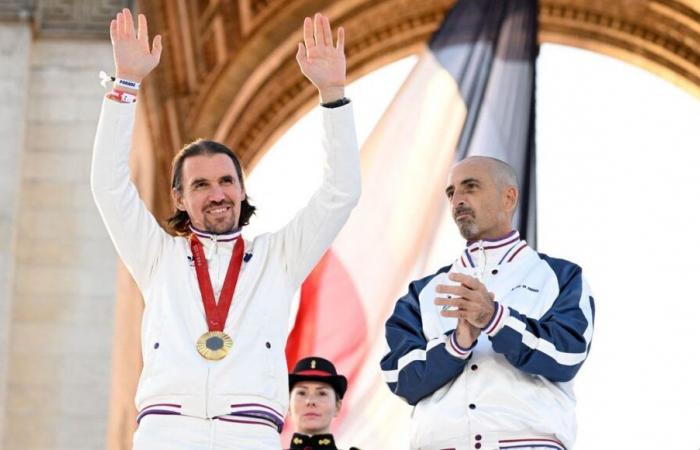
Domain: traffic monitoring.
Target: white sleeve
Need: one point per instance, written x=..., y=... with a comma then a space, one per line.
x=305, y=239
x=136, y=234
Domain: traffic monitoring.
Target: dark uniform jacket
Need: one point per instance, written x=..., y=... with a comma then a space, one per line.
x=318, y=442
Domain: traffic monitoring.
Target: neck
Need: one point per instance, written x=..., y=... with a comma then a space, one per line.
x=315, y=432
x=493, y=237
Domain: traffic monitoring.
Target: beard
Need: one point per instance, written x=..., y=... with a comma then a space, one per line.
x=468, y=229
x=221, y=224
x=467, y=226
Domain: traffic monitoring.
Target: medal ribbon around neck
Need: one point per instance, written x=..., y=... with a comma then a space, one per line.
x=215, y=344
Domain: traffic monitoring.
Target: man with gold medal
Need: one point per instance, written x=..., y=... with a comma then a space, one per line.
x=217, y=306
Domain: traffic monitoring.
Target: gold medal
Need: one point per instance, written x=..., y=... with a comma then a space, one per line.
x=214, y=345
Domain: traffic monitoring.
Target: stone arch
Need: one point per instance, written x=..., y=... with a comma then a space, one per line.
x=229, y=71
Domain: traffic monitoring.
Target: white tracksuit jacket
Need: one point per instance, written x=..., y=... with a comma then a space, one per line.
x=250, y=384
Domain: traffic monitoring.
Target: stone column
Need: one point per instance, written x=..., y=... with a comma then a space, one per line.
x=15, y=44
x=64, y=277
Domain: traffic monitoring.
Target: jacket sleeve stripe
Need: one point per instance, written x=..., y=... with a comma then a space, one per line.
x=457, y=350
x=418, y=354
x=496, y=322
x=544, y=346
x=414, y=366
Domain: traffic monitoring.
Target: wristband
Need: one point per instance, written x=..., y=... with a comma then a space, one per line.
x=119, y=82
x=336, y=103
x=121, y=96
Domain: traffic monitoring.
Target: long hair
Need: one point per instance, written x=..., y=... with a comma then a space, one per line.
x=179, y=222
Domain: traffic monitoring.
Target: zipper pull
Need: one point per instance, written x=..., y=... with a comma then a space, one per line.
x=482, y=261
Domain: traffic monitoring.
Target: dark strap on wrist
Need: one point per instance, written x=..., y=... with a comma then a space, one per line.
x=337, y=103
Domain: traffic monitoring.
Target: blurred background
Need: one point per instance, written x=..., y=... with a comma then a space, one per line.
x=608, y=94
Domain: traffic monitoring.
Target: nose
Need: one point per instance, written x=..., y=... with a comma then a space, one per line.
x=459, y=204
x=216, y=193
x=310, y=400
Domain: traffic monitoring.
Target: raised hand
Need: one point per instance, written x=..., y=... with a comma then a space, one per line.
x=320, y=61
x=133, y=56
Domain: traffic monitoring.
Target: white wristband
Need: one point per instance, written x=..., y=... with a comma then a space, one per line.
x=118, y=82
x=127, y=84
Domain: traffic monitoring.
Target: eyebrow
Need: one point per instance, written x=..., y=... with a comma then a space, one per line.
x=314, y=388
x=197, y=180
x=464, y=182
x=221, y=178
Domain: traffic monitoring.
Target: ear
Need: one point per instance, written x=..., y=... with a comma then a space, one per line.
x=177, y=199
x=510, y=198
x=338, y=405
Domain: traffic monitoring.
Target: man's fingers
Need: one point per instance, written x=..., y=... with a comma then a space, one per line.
x=341, y=39
x=447, y=289
x=466, y=280
x=318, y=29
x=142, y=34
x=327, y=33
x=120, y=25
x=301, y=53
x=128, y=23
x=457, y=302
x=309, y=33
x=113, y=31
x=157, y=47
x=458, y=291
x=457, y=313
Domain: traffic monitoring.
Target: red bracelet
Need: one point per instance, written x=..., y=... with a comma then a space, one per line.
x=121, y=96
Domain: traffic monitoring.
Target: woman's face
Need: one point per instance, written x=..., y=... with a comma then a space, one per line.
x=312, y=407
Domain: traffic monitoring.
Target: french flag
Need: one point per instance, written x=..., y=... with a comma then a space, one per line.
x=470, y=93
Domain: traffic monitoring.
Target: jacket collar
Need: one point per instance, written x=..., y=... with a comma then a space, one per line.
x=320, y=441
x=216, y=237
x=490, y=252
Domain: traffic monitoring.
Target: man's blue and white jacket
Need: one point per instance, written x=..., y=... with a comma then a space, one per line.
x=514, y=388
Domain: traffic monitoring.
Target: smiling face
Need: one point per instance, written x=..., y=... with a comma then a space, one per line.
x=211, y=192
x=481, y=200
x=312, y=407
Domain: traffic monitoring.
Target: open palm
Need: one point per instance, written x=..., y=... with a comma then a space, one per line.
x=133, y=56
x=322, y=62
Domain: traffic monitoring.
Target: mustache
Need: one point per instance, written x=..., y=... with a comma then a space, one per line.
x=218, y=204
x=458, y=211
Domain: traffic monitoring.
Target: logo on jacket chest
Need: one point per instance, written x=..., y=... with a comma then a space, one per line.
x=524, y=286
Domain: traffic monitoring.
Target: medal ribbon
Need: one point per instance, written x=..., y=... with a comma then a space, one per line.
x=217, y=313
